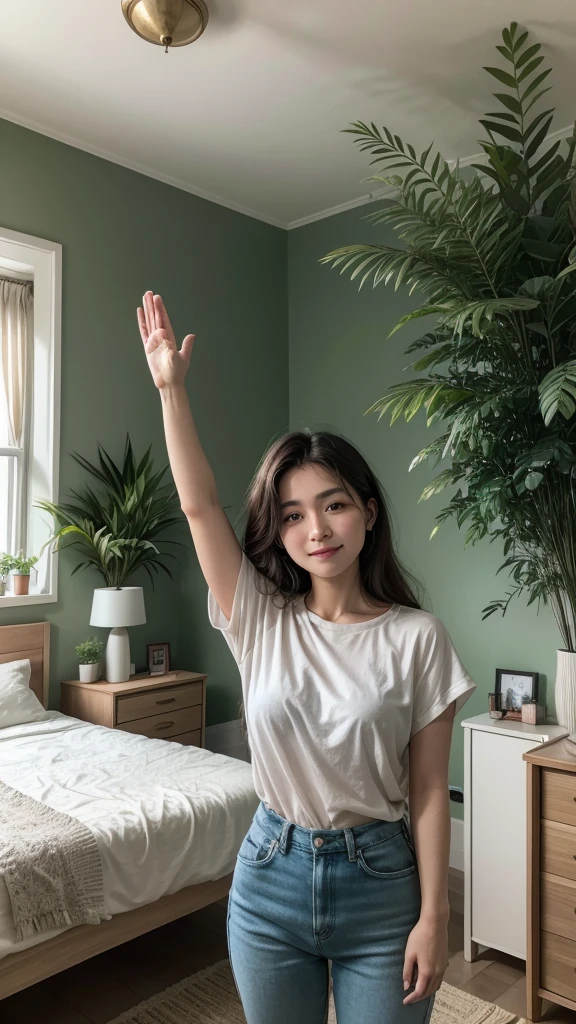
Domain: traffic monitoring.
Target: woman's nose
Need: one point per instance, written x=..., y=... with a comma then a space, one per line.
x=319, y=529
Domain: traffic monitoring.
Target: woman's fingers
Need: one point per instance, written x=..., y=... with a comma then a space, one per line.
x=409, y=969
x=155, y=326
x=142, y=324
x=420, y=990
x=148, y=302
x=187, y=344
x=156, y=335
x=162, y=318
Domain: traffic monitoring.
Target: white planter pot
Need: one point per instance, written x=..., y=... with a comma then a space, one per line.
x=565, y=689
x=89, y=673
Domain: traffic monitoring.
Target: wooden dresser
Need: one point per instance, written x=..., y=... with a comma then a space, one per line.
x=551, y=931
x=166, y=707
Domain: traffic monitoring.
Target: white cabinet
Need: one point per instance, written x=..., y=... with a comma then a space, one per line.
x=495, y=842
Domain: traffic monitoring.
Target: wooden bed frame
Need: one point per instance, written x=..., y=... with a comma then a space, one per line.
x=24, y=968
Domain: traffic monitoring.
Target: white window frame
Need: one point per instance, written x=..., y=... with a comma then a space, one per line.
x=44, y=440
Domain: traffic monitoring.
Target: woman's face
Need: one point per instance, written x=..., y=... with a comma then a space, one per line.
x=313, y=520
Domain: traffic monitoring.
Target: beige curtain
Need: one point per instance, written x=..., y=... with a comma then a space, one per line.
x=16, y=310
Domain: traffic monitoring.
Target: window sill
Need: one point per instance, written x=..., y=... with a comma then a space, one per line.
x=17, y=600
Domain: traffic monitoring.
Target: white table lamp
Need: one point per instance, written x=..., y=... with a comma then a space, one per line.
x=118, y=607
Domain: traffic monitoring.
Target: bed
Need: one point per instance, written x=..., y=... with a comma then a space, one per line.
x=168, y=820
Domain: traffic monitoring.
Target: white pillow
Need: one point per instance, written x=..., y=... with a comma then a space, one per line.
x=18, y=703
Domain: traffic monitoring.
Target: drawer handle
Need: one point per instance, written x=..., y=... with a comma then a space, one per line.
x=165, y=725
x=169, y=700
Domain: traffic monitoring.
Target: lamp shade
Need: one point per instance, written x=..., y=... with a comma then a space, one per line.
x=118, y=607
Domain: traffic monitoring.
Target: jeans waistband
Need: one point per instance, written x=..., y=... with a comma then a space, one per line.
x=321, y=840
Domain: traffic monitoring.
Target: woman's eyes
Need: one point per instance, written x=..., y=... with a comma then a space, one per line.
x=288, y=518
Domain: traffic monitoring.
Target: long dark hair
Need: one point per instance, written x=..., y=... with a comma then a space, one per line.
x=382, y=576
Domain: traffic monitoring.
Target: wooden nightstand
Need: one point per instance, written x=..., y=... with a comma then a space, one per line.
x=167, y=707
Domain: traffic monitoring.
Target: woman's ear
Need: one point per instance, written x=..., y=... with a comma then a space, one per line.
x=372, y=513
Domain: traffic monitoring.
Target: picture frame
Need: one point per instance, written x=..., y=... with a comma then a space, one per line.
x=158, y=659
x=514, y=687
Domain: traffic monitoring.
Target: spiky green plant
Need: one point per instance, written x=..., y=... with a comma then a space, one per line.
x=492, y=251
x=116, y=531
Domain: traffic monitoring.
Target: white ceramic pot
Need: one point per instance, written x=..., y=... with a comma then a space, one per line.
x=565, y=689
x=89, y=673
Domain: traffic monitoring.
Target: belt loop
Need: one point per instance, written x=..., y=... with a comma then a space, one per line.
x=284, y=836
x=350, y=844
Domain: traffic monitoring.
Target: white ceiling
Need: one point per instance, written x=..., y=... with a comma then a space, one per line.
x=251, y=115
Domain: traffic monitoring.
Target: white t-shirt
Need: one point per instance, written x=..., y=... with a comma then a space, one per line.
x=330, y=707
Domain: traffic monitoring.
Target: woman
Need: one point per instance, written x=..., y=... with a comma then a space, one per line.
x=346, y=684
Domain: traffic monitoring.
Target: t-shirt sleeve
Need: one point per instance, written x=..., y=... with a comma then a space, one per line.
x=254, y=611
x=440, y=677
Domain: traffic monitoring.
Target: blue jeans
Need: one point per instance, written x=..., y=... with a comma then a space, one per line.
x=301, y=897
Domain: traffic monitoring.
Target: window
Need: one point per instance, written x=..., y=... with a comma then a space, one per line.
x=30, y=312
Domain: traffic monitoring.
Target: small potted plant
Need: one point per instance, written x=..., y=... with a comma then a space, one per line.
x=21, y=572
x=6, y=565
x=89, y=659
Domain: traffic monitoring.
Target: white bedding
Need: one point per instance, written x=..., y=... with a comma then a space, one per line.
x=164, y=815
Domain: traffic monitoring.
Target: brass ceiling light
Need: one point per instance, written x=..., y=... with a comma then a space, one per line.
x=166, y=22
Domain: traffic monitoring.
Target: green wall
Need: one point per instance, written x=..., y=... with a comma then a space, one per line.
x=340, y=364
x=237, y=284
x=223, y=277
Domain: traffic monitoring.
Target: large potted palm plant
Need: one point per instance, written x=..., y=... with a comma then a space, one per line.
x=493, y=252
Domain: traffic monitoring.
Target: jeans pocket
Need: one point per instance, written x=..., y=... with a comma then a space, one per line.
x=257, y=849
x=390, y=858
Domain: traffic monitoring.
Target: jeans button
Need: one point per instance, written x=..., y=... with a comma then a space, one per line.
x=319, y=841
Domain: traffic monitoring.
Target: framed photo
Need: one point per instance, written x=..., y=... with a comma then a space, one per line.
x=158, y=659
x=514, y=688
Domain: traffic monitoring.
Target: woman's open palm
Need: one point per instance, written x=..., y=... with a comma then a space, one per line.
x=168, y=366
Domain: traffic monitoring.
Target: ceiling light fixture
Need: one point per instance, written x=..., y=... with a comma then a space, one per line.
x=166, y=22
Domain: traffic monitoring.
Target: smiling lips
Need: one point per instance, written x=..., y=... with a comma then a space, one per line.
x=325, y=552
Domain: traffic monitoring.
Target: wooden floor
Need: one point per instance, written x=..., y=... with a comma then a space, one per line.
x=99, y=989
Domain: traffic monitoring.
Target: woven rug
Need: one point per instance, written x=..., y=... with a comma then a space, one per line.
x=210, y=997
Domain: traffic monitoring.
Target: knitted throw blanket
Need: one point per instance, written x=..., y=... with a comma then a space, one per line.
x=50, y=864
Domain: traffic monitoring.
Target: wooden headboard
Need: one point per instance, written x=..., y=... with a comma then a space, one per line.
x=32, y=641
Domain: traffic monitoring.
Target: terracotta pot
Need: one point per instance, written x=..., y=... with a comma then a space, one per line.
x=21, y=583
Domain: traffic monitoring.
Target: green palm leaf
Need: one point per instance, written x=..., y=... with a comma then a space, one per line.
x=408, y=398
x=558, y=392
